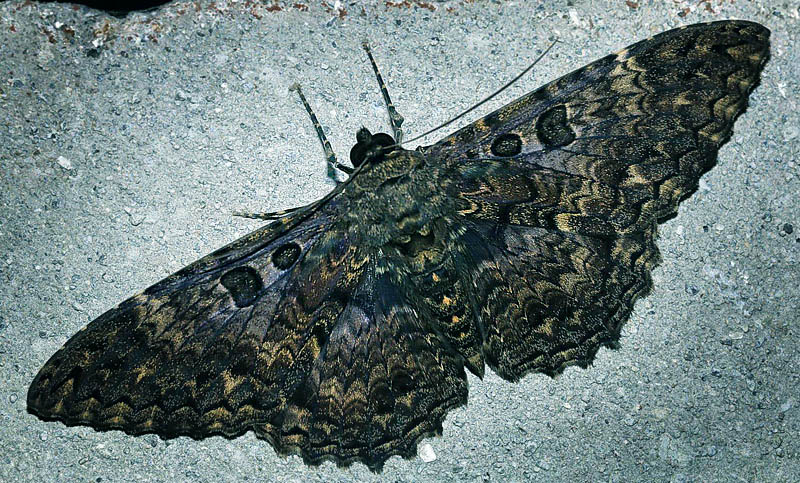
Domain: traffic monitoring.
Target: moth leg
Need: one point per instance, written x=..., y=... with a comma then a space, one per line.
x=395, y=119
x=333, y=164
x=270, y=215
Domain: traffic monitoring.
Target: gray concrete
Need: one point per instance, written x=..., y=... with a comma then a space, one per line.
x=122, y=161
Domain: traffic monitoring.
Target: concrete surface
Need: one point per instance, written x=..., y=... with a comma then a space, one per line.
x=125, y=144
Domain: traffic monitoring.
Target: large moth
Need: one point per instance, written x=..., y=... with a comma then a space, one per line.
x=342, y=330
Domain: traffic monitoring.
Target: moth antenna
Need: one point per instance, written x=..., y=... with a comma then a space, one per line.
x=395, y=119
x=485, y=100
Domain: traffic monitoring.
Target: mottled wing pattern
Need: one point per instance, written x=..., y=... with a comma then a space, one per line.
x=288, y=332
x=560, y=191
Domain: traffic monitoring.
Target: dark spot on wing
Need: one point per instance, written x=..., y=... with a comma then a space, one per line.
x=552, y=128
x=244, y=284
x=285, y=255
x=509, y=144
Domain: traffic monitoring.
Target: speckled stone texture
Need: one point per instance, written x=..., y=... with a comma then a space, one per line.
x=126, y=144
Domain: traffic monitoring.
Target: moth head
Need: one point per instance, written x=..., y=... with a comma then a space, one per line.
x=370, y=147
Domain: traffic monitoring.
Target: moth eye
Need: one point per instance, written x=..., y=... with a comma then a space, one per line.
x=552, y=128
x=509, y=144
x=285, y=255
x=243, y=283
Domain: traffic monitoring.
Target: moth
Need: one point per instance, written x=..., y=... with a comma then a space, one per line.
x=341, y=331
